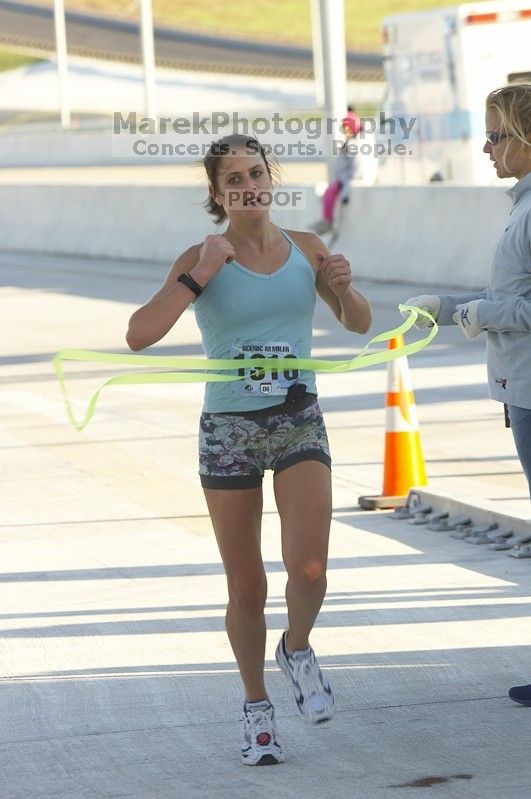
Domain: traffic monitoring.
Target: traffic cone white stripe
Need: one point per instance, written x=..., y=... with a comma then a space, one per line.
x=396, y=422
x=398, y=377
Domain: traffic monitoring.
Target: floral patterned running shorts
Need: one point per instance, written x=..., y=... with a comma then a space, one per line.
x=236, y=448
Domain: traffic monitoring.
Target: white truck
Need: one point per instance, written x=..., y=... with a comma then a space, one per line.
x=439, y=67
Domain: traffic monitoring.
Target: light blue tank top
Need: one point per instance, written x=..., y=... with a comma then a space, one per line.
x=247, y=316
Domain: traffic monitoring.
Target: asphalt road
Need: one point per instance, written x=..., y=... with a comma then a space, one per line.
x=32, y=26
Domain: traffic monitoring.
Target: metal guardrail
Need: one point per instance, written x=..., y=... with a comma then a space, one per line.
x=199, y=52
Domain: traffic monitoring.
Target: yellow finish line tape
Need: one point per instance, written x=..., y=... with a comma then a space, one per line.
x=360, y=361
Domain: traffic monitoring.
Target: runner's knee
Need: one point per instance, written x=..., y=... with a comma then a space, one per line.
x=248, y=596
x=305, y=575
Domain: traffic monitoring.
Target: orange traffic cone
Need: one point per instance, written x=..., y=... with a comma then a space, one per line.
x=403, y=460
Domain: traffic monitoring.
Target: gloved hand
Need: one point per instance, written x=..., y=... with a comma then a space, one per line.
x=428, y=302
x=466, y=318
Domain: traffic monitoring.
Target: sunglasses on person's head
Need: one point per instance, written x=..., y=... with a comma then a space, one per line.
x=494, y=137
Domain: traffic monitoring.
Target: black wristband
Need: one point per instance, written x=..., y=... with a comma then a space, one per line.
x=190, y=283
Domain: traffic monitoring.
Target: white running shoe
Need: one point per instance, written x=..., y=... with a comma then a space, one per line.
x=260, y=744
x=313, y=694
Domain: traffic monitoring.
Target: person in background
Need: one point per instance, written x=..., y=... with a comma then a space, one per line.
x=254, y=290
x=344, y=170
x=503, y=310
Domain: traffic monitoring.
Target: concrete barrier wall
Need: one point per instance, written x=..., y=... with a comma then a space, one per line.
x=438, y=235
x=145, y=222
x=55, y=148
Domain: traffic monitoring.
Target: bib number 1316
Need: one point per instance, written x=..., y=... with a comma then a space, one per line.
x=258, y=373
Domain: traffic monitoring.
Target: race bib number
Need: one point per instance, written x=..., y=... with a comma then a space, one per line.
x=257, y=380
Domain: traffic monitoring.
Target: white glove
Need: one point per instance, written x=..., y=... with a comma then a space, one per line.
x=466, y=318
x=428, y=302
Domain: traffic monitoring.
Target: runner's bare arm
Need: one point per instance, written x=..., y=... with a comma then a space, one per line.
x=153, y=320
x=156, y=318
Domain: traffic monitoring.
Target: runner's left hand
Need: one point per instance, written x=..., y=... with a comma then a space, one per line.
x=336, y=271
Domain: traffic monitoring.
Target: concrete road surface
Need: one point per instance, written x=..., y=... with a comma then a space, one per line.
x=117, y=677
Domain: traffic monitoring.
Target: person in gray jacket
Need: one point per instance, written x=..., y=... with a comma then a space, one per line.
x=503, y=310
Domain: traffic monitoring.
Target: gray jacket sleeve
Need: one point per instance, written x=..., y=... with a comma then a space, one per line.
x=449, y=302
x=503, y=316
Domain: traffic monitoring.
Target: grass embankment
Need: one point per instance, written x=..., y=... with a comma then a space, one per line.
x=11, y=60
x=285, y=21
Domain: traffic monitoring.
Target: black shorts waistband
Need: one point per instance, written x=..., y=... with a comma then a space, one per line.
x=291, y=406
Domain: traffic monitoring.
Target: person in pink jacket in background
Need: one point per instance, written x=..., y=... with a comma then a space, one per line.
x=345, y=168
